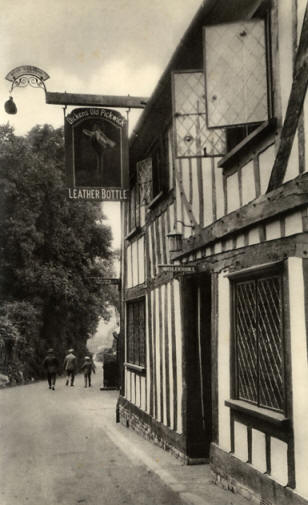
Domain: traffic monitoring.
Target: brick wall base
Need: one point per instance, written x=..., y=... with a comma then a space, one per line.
x=134, y=418
x=236, y=476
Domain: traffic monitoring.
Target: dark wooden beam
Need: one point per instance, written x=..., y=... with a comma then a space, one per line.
x=294, y=109
x=131, y=102
x=291, y=195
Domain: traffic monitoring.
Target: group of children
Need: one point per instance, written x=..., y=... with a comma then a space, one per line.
x=51, y=365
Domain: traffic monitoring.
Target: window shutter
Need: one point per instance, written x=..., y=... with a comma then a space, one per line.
x=192, y=136
x=236, y=73
x=144, y=179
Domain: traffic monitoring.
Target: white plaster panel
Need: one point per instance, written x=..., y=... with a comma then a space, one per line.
x=142, y=214
x=207, y=191
x=233, y=192
x=152, y=249
x=301, y=6
x=171, y=364
x=129, y=282
x=157, y=354
x=258, y=450
x=179, y=364
x=273, y=230
x=293, y=224
x=196, y=191
x=127, y=385
x=161, y=237
x=253, y=236
x=172, y=217
x=248, y=183
x=266, y=163
x=220, y=197
x=167, y=216
x=178, y=202
x=141, y=259
x=187, y=230
x=135, y=263
x=163, y=354
x=198, y=255
x=299, y=371
x=240, y=441
x=228, y=245
x=224, y=361
x=143, y=392
x=240, y=241
x=279, y=461
x=153, y=346
x=293, y=162
x=185, y=164
x=217, y=248
x=138, y=394
x=148, y=374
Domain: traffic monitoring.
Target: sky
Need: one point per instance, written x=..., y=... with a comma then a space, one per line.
x=116, y=47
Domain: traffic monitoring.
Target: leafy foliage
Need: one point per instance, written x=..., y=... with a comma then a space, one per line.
x=51, y=250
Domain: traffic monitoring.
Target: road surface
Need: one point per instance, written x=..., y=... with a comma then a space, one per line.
x=63, y=447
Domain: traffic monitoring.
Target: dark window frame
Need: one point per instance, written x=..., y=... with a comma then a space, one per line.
x=136, y=333
x=159, y=153
x=273, y=271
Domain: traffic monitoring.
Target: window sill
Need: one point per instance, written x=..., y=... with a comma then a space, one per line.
x=134, y=368
x=132, y=233
x=156, y=199
x=259, y=133
x=275, y=418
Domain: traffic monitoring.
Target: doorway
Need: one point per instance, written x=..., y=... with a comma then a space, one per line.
x=196, y=310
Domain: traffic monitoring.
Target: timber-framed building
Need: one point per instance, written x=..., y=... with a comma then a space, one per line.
x=215, y=251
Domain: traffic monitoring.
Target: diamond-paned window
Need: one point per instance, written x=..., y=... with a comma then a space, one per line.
x=136, y=332
x=236, y=73
x=258, y=327
x=192, y=136
x=144, y=179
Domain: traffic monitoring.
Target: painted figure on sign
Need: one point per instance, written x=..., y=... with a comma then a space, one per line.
x=100, y=143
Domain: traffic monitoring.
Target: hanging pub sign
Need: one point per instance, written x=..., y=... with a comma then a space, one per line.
x=96, y=151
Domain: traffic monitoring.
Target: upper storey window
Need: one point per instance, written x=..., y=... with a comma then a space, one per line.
x=236, y=74
x=215, y=108
x=192, y=136
x=237, y=77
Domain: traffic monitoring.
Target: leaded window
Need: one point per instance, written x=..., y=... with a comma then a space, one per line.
x=237, y=63
x=192, y=136
x=259, y=346
x=136, y=332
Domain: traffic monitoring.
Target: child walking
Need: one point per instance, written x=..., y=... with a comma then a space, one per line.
x=87, y=368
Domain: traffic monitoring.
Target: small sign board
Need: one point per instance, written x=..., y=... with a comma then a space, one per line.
x=96, y=152
x=107, y=281
x=178, y=268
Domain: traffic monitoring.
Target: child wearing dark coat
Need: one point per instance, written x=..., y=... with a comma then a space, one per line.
x=87, y=368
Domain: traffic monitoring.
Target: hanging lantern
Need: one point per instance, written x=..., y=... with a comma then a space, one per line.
x=10, y=106
x=175, y=241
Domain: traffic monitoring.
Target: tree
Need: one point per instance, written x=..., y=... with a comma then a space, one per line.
x=51, y=249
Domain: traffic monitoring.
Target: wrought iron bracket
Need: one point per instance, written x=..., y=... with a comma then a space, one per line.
x=27, y=75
